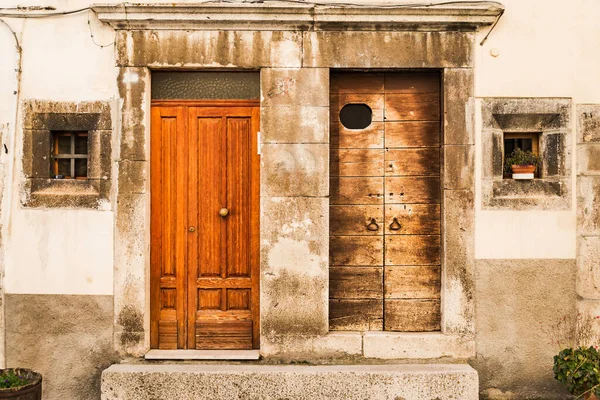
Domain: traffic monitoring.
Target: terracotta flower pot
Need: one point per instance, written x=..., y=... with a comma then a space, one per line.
x=31, y=391
x=523, y=169
x=590, y=396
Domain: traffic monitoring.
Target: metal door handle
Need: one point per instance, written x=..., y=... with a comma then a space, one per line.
x=373, y=225
x=223, y=212
x=395, y=225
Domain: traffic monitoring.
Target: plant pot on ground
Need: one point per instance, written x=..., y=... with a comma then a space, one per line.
x=20, y=384
x=521, y=162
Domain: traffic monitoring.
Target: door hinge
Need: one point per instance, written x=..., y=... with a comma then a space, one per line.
x=258, y=144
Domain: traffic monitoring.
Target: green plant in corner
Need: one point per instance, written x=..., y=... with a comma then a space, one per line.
x=10, y=378
x=520, y=158
x=577, y=364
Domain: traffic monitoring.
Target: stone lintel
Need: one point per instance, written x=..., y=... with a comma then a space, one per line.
x=297, y=17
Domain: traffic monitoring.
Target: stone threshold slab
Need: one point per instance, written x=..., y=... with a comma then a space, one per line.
x=202, y=355
x=251, y=381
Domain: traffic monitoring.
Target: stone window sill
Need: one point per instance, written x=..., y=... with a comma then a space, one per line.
x=542, y=194
x=66, y=193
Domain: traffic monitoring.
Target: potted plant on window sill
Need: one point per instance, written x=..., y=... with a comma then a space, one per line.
x=20, y=384
x=522, y=164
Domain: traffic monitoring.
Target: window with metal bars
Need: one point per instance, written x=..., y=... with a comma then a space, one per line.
x=69, y=155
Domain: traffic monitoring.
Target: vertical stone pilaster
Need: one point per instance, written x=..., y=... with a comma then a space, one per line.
x=294, y=205
x=132, y=216
x=588, y=209
x=458, y=223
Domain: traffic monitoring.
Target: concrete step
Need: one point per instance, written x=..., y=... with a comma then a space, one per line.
x=311, y=382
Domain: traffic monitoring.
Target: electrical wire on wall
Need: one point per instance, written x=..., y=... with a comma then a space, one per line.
x=25, y=12
x=8, y=192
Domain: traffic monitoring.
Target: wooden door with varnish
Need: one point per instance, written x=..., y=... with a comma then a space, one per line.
x=204, y=225
x=385, y=203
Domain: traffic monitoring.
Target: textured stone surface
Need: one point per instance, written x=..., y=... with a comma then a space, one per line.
x=214, y=49
x=131, y=252
x=459, y=166
x=133, y=176
x=294, y=273
x=588, y=123
x=588, y=267
x=66, y=338
x=588, y=205
x=294, y=124
x=134, y=88
x=336, y=347
x=458, y=122
x=419, y=345
x=294, y=170
x=517, y=302
x=295, y=87
x=588, y=159
x=459, y=260
x=376, y=382
x=387, y=49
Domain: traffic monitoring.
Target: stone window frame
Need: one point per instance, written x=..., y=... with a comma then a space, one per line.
x=551, y=118
x=41, y=119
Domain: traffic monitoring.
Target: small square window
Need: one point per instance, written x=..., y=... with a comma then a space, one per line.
x=69, y=155
x=523, y=141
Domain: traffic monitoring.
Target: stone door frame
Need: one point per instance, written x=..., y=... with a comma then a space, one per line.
x=295, y=61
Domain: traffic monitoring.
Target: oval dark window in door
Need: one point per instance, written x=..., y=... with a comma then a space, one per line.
x=356, y=116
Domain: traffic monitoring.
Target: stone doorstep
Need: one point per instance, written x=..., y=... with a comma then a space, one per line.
x=202, y=355
x=348, y=382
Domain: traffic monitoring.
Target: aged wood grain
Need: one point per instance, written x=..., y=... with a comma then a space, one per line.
x=355, y=315
x=356, y=282
x=412, y=107
x=412, y=282
x=356, y=162
x=168, y=212
x=356, y=82
x=416, y=315
x=412, y=190
x=412, y=82
x=412, y=162
x=412, y=249
x=204, y=158
x=356, y=250
x=414, y=219
x=374, y=101
x=355, y=220
x=412, y=134
x=356, y=190
x=369, y=138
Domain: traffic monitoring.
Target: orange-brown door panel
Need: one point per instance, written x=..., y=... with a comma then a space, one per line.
x=222, y=198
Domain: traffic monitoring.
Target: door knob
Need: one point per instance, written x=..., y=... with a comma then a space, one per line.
x=192, y=229
x=223, y=212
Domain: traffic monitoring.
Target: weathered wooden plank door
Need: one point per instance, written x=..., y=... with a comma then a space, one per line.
x=204, y=227
x=385, y=203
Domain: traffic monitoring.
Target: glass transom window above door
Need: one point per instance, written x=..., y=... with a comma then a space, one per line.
x=385, y=203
